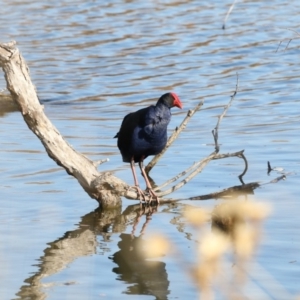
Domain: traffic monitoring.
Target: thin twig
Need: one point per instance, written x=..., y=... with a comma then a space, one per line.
x=195, y=165
x=226, y=155
x=100, y=162
x=246, y=167
x=173, y=137
x=228, y=13
x=196, y=168
x=215, y=130
x=200, y=167
x=239, y=154
x=230, y=192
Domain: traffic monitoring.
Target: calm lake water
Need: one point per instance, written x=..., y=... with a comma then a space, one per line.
x=95, y=61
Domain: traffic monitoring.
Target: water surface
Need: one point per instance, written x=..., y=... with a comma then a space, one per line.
x=93, y=63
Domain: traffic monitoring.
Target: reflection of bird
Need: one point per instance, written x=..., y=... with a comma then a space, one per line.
x=144, y=133
x=141, y=275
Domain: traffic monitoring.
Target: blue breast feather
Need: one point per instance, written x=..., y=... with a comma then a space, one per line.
x=150, y=135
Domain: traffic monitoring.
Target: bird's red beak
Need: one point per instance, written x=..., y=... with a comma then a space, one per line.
x=177, y=101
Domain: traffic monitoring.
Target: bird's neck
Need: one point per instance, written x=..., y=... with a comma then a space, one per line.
x=163, y=112
x=162, y=107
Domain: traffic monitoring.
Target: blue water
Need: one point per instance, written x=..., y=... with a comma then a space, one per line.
x=92, y=63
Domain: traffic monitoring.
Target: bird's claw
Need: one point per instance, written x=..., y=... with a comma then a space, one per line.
x=152, y=196
x=142, y=196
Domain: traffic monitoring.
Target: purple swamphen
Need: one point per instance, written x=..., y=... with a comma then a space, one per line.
x=144, y=133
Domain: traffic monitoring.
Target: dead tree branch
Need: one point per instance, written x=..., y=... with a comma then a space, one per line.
x=197, y=167
x=102, y=186
x=216, y=130
x=197, y=170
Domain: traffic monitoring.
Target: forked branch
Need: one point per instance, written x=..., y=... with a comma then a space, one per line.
x=197, y=167
x=102, y=186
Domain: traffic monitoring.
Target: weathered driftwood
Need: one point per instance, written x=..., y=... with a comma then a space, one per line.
x=102, y=186
x=106, y=188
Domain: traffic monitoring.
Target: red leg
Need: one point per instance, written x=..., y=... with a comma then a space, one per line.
x=151, y=192
x=136, y=183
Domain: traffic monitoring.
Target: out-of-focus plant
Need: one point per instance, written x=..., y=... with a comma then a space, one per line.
x=224, y=249
x=235, y=234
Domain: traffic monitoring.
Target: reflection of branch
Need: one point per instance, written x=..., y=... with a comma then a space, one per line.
x=237, y=190
x=234, y=191
x=83, y=242
x=230, y=192
x=173, y=137
x=73, y=245
x=277, y=179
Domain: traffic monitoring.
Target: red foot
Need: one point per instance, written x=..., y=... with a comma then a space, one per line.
x=152, y=195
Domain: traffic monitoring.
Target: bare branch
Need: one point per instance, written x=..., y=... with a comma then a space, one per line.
x=197, y=170
x=215, y=131
x=239, y=154
x=100, y=162
x=183, y=173
x=173, y=137
x=226, y=155
x=195, y=165
x=199, y=166
x=246, y=168
x=231, y=192
x=103, y=187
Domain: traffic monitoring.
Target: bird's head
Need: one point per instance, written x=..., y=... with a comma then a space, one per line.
x=170, y=100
